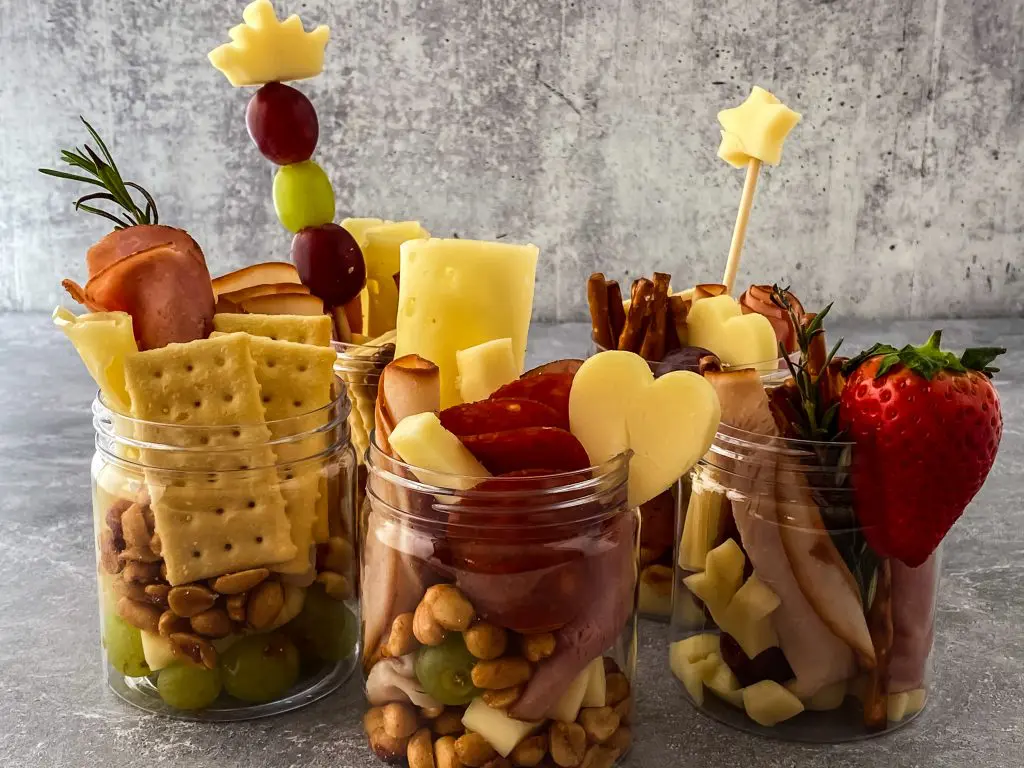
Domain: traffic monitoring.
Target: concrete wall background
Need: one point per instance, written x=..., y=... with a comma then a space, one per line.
x=585, y=126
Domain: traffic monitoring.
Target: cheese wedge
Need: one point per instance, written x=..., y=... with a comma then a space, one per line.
x=158, y=651
x=456, y=294
x=567, y=708
x=103, y=341
x=380, y=245
x=498, y=729
x=484, y=368
x=767, y=703
x=597, y=689
x=439, y=457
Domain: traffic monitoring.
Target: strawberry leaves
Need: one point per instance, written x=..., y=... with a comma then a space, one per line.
x=978, y=359
x=927, y=360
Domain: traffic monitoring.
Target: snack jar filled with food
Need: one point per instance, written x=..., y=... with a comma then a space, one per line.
x=807, y=560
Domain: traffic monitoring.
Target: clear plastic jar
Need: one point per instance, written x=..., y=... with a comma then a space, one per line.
x=785, y=623
x=499, y=616
x=225, y=562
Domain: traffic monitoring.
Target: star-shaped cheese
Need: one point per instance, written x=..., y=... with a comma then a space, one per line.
x=756, y=128
x=265, y=50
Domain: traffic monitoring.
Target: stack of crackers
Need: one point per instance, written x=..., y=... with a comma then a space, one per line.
x=235, y=444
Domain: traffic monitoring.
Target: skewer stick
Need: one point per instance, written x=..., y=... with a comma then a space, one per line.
x=739, y=232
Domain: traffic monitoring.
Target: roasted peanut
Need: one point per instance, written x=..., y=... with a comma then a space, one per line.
x=425, y=628
x=108, y=553
x=445, y=755
x=212, y=623
x=420, y=751
x=616, y=688
x=157, y=594
x=335, y=585
x=237, y=583
x=502, y=698
x=498, y=762
x=599, y=723
x=401, y=639
x=188, y=600
x=506, y=672
x=538, y=647
x=485, y=640
x=649, y=555
x=599, y=757
x=530, y=751
x=448, y=723
x=156, y=545
x=337, y=555
x=449, y=607
x=624, y=709
x=658, y=578
x=621, y=740
x=140, y=573
x=568, y=744
x=195, y=649
x=473, y=750
x=399, y=720
x=113, y=520
x=139, y=555
x=235, y=606
x=142, y=616
x=136, y=533
x=264, y=603
x=304, y=579
x=432, y=712
x=170, y=623
x=131, y=590
x=384, y=746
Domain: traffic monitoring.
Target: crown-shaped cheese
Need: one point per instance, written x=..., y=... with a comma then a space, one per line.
x=264, y=50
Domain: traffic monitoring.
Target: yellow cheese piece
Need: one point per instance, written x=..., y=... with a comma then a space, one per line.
x=692, y=674
x=381, y=247
x=484, y=368
x=697, y=647
x=717, y=323
x=357, y=227
x=103, y=341
x=498, y=729
x=754, y=599
x=567, y=708
x=157, y=651
x=724, y=566
x=264, y=50
x=722, y=682
x=422, y=442
x=700, y=527
x=597, y=688
x=825, y=700
x=767, y=703
x=456, y=294
x=756, y=128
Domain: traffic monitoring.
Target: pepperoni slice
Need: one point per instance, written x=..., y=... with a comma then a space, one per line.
x=551, y=389
x=569, y=365
x=528, y=448
x=497, y=416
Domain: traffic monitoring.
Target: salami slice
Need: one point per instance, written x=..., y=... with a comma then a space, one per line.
x=528, y=448
x=551, y=389
x=569, y=365
x=498, y=416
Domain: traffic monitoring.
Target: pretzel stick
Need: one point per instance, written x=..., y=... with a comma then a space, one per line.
x=616, y=311
x=600, y=323
x=739, y=231
x=653, y=347
x=636, y=318
x=678, y=308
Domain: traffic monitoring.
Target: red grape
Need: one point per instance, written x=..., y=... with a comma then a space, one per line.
x=282, y=123
x=329, y=263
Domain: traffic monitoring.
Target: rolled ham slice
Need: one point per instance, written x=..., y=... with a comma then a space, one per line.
x=913, y=619
x=156, y=274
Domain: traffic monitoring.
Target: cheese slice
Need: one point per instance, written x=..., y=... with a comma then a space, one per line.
x=484, y=368
x=157, y=651
x=456, y=294
x=767, y=703
x=103, y=341
x=718, y=323
x=422, y=442
x=381, y=254
x=567, y=708
x=498, y=729
x=597, y=690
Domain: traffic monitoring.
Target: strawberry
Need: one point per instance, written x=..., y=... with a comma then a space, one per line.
x=925, y=426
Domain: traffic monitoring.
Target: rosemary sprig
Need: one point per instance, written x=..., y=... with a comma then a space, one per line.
x=102, y=172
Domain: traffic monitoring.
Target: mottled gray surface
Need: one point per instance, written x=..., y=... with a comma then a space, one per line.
x=586, y=127
x=56, y=711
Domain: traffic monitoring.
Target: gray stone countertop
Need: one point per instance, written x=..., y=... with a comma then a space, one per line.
x=56, y=711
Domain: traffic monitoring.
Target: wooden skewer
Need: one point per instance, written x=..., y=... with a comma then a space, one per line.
x=739, y=231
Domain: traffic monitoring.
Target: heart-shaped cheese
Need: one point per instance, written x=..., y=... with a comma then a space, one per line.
x=718, y=323
x=616, y=405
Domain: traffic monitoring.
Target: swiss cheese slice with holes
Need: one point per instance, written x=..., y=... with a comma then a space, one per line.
x=302, y=329
x=232, y=517
x=295, y=388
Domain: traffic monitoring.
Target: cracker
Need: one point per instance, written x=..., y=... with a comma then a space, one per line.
x=302, y=329
x=238, y=504
x=294, y=380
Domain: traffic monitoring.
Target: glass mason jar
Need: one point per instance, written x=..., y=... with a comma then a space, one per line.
x=659, y=516
x=499, y=615
x=785, y=622
x=225, y=562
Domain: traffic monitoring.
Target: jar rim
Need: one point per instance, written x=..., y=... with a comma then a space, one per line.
x=779, y=361
x=778, y=443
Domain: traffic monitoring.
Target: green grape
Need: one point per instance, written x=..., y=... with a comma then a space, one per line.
x=260, y=668
x=326, y=627
x=445, y=671
x=185, y=686
x=303, y=196
x=124, y=647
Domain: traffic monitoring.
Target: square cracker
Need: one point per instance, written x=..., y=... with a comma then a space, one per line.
x=294, y=380
x=302, y=329
x=206, y=398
